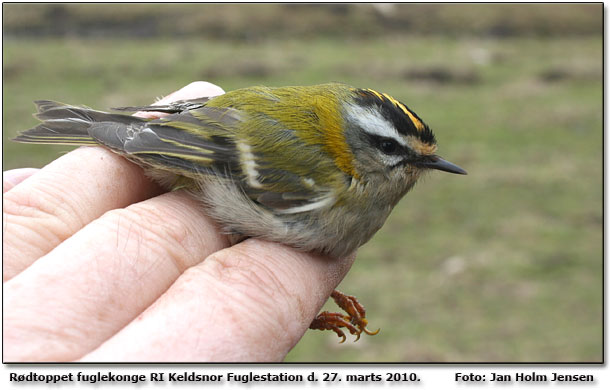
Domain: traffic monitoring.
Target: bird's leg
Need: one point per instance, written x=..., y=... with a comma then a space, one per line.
x=355, y=321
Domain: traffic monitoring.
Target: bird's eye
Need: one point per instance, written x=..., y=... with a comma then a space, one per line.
x=388, y=146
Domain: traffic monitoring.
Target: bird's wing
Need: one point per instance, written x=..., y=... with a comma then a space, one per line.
x=184, y=142
x=204, y=140
x=170, y=108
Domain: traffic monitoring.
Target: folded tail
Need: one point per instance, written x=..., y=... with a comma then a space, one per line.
x=69, y=125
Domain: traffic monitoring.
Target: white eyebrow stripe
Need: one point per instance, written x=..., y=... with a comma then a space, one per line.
x=372, y=122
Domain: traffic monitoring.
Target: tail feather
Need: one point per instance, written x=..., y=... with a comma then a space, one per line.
x=48, y=110
x=68, y=125
x=57, y=132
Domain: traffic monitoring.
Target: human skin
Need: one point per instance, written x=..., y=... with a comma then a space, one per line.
x=102, y=265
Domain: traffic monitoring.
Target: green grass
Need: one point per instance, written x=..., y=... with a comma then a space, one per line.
x=504, y=264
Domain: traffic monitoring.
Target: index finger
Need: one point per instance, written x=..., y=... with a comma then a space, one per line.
x=41, y=212
x=251, y=302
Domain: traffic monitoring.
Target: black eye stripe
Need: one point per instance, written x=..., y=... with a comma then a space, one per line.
x=387, y=145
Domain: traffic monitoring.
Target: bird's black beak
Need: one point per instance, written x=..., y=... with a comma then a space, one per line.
x=442, y=165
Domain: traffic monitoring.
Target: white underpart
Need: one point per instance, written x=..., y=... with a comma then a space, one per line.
x=371, y=121
x=248, y=163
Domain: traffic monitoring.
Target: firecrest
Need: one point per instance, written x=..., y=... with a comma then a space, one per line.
x=315, y=167
x=318, y=168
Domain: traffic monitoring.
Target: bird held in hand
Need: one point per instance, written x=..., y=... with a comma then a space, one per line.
x=318, y=167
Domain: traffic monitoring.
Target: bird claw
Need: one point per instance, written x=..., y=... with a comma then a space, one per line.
x=355, y=321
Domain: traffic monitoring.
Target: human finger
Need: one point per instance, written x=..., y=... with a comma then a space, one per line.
x=94, y=283
x=63, y=197
x=13, y=177
x=250, y=302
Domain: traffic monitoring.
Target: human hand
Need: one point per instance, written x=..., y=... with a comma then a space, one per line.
x=101, y=265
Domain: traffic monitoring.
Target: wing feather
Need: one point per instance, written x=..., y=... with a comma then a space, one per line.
x=196, y=139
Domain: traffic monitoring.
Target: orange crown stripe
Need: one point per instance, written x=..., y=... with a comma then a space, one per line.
x=376, y=94
x=416, y=122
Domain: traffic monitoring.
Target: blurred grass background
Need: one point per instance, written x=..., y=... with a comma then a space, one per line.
x=502, y=265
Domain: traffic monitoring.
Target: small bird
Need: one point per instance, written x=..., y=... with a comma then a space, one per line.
x=317, y=167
